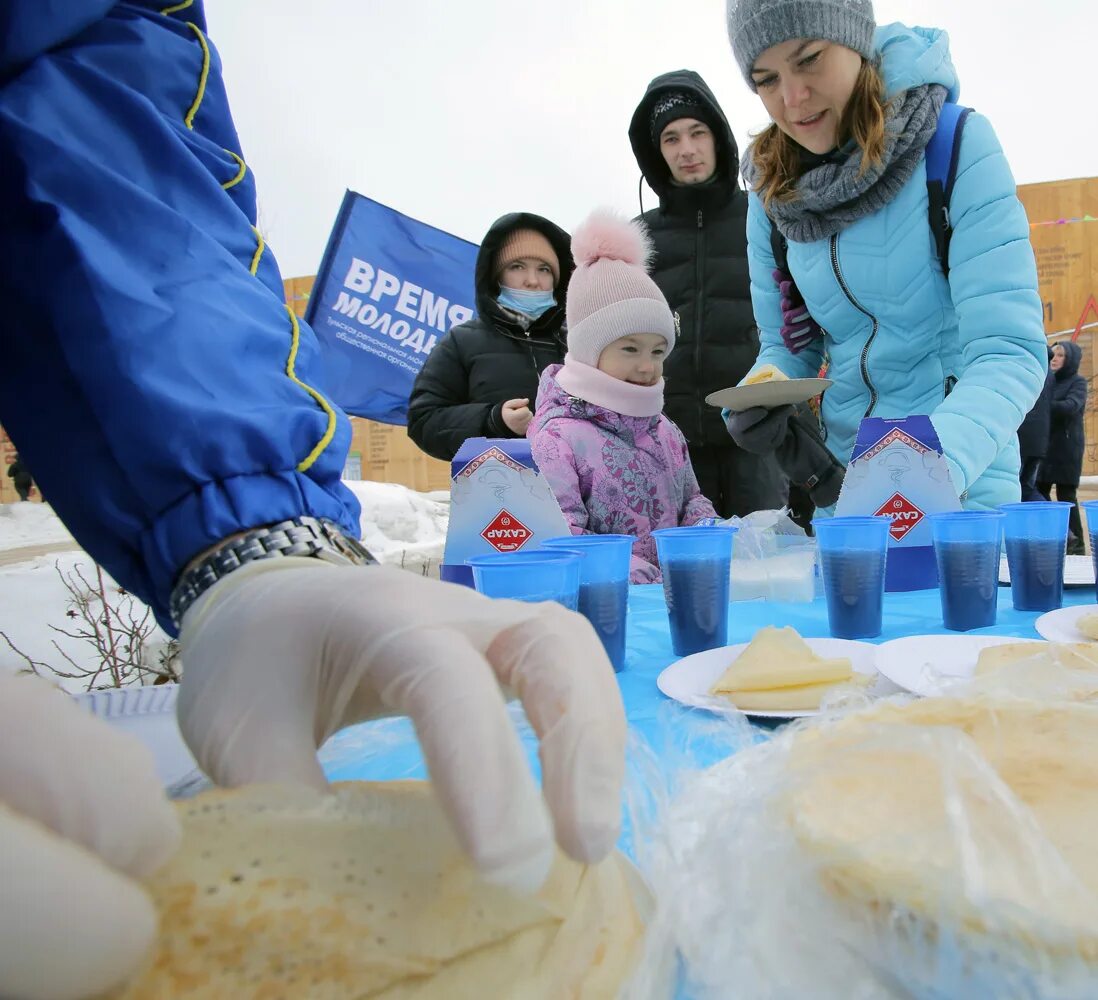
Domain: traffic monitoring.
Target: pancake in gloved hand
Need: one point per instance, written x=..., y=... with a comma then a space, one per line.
x=288, y=892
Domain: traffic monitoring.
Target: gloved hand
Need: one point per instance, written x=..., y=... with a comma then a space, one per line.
x=282, y=653
x=799, y=329
x=807, y=461
x=81, y=811
x=758, y=430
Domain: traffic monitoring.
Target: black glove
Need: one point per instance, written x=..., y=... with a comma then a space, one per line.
x=759, y=430
x=807, y=461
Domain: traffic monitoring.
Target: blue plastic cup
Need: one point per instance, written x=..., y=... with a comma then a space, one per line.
x=967, y=545
x=1090, y=512
x=603, y=585
x=853, y=552
x=1036, y=537
x=696, y=564
x=528, y=576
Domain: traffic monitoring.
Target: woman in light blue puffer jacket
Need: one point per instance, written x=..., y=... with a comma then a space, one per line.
x=841, y=172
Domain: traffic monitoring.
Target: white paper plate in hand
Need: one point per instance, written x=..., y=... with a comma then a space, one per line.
x=928, y=664
x=1078, y=571
x=768, y=394
x=148, y=712
x=688, y=680
x=1059, y=625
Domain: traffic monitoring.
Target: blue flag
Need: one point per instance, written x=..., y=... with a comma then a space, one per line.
x=389, y=287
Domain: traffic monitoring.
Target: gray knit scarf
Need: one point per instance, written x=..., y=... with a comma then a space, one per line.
x=833, y=195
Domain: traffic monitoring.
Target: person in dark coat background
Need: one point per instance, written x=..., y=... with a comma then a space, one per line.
x=687, y=153
x=1033, y=438
x=20, y=478
x=481, y=379
x=1063, y=461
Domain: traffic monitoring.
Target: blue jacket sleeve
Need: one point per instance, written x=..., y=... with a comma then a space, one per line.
x=154, y=379
x=766, y=301
x=993, y=284
x=30, y=27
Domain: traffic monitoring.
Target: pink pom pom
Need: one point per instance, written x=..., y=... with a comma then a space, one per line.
x=606, y=236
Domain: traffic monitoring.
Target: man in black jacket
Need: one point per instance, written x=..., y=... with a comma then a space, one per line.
x=481, y=379
x=687, y=153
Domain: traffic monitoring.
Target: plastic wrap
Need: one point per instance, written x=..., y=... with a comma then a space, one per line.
x=923, y=849
x=1045, y=671
x=772, y=558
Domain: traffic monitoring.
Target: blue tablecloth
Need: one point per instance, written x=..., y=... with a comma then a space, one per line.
x=384, y=750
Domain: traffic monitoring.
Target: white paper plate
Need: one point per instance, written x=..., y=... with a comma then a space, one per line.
x=777, y=393
x=928, y=664
x=1078, y=571
x=688, y=680
x=1059, y=625
x=149, y=714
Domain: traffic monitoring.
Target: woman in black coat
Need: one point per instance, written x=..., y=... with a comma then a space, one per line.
x=1033, y=438
x=1063, y=461
x=481, y=379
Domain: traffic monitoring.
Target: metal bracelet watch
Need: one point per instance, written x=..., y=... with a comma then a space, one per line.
x=300, y=536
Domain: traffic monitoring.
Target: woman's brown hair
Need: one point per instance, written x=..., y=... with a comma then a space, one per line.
x=777, y=158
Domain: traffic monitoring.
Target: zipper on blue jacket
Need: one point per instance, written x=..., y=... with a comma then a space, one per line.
x=865, y=312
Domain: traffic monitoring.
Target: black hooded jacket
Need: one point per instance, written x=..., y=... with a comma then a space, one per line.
x=1063, y=461
x=700, y=236
x=1034, y=431
x=479, y=365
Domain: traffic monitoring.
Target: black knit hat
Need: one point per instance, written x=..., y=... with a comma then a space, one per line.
x=675, y=104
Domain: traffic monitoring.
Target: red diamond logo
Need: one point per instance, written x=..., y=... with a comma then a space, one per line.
x=506, y=532
x=905, y=515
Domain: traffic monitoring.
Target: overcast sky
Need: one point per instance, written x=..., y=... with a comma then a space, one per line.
x=456, y=111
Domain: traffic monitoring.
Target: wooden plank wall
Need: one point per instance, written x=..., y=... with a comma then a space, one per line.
x=1063, y=218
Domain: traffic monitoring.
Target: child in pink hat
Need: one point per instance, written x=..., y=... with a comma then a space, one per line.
x=616, y=464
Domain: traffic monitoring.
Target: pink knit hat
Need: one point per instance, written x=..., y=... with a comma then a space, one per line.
x=610, y=294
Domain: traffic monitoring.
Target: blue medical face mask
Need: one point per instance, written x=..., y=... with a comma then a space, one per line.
x=533, y=304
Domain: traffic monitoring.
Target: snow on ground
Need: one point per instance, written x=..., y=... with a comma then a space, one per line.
x=24, y=524
x=400, y=527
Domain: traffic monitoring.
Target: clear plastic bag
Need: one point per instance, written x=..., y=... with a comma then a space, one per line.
x=1046, y=671
x=772, y=558
x=928, y=850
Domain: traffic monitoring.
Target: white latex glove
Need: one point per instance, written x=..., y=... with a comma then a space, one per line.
x=283, y=653
x=81, y=810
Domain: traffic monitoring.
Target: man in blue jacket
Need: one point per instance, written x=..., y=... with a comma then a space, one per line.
x=148, y=346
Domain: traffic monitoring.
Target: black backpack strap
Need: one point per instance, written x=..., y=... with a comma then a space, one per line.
x=942, y=156
x=779, y=247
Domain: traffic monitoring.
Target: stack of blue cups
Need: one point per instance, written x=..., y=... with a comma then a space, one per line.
x=967, y=544
x=696, y=563
x=603, y=585
x=528, y=576
x=1090, y=510
x=1036, y=538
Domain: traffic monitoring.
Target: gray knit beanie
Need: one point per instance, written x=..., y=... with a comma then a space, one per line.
x=755, y=25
